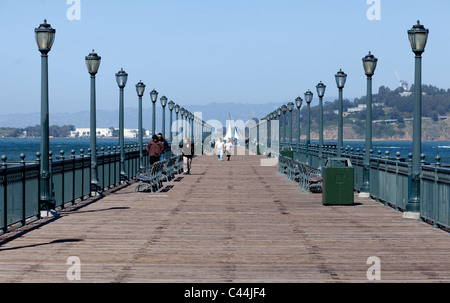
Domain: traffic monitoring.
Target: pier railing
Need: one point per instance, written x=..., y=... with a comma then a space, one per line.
x=70, y=181
x=389, y=178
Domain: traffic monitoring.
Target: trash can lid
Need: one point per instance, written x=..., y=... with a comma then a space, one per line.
x=338, y=162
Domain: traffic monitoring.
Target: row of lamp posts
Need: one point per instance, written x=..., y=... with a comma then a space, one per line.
x=418, y=36
x=45, y=36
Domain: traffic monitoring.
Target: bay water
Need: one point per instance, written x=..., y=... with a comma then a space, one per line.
x=13, y=147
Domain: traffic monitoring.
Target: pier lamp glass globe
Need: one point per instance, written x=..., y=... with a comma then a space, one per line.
x=163, y=101
x=171, y=105
x=182, y=111
x=284, y=108
x=140, y=87
x=45, y=36
x=369, y=64
x=186, y=113
x=308, y=96
x=177, y=108
x=298, y=102
x=154, y=95
x=341, y=77
x=121, y=78
x=93, y=62
x=290, y=106
x=191, y=116
x=418, y=36
x=320, y=89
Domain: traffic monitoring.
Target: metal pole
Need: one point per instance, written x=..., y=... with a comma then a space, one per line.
x=299, y=134
x=284, y=129
x=123, y=176
x=365, y=188
x=290, y=131
x=413, y=204
x=170, y=128
x=308, y=133
x=192, y=130
x=340, y=124
x=164, y=122
x=141, y=154
x=320, y=131
x=93, y=140
x=154, y=118
x=176, y=124
x=46, y=200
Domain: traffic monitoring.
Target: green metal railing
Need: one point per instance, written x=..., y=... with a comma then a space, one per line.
x=389, y=179
x=70, y=181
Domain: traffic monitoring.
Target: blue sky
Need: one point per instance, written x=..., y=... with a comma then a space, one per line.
x=204, y=51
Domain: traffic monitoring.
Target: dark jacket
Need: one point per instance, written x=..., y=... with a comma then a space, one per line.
x=155, y=148
x=166, y=145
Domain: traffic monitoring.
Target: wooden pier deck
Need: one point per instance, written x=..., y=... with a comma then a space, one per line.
x=232, y=221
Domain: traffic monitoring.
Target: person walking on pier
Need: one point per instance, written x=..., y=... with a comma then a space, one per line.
x=218, y=148
x=228, y=149
x=165, y=144
x=187, y=152
x=154, y=149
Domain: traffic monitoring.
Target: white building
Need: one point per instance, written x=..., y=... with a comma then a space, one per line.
x=130, y=133
x=358, y=109
x=86, y=132
x=103, y=133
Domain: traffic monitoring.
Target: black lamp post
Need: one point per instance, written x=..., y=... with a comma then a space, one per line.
x=191, y=117
x=171, y=105
x=183, y=127
x=93, y=64
x=308, y=99
x=45, y=36
x=298, y=104
x=278, y=117
x=177, y=110
x=341, y=77
x=153, y=98
x=418, y=36
x=320, y=93
x=140, y=88
x=121, y=78
x=163, y=104
x=369, y=64
x=283, y=110
x=290, y=107
x=186, y=124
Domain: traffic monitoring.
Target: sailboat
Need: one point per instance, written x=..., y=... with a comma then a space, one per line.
x=232, y=131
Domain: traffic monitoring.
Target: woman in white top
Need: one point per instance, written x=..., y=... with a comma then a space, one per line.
x=228, y=148
x=218, y=148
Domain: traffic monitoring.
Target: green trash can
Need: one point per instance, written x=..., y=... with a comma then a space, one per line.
x=337, y=184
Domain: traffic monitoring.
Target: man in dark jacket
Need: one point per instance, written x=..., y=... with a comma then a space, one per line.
x=154, y=149
x=165, y=144
x=187, y=152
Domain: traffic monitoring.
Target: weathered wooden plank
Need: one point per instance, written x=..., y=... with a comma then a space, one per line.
x=231, y=221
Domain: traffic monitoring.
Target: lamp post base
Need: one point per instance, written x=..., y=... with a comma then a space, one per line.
x=411, y=215
x=96, y=189
x=50, y=213
x=364, y=195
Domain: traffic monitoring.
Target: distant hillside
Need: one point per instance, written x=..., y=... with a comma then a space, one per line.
x=394, y=107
